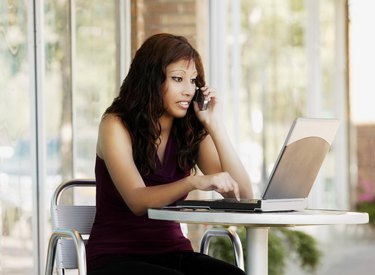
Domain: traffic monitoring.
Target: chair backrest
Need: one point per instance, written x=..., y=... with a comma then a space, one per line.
x=73, y=217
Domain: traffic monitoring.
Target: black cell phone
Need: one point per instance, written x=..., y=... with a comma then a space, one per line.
x=201, y=100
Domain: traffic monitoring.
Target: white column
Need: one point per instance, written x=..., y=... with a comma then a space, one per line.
x=341, y=146
x=313, y=58
x=235, y=74
x=217, y=50
x=37, y=141
x=314, y=82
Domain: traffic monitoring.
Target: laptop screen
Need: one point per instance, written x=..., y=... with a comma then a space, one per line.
x=300, y=159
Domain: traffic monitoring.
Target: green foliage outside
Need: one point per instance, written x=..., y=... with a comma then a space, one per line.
x=283, y=243
x=368, y=207
x=366, y=199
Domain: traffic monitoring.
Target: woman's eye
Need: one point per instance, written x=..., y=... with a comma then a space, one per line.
x=193, y=81
x=177, y=78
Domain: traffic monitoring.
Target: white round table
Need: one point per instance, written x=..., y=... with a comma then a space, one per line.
x=257, y=226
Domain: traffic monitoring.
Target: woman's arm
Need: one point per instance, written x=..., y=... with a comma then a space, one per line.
x=216, y=153
x=115, y=148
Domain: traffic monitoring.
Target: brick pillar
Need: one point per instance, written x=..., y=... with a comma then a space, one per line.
x=366, y=162
x=187, y=18
x=137, y=25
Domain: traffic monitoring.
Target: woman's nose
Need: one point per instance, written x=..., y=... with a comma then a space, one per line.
x=189, y=89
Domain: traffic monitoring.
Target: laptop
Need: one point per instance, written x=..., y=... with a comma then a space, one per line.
x=293, y=175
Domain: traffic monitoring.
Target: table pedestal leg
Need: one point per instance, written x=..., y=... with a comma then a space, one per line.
x=257, y=250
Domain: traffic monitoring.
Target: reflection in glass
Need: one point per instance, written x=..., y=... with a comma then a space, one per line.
x=95, y=77
x=79, y=83
x=274, y=72
x=16, y=183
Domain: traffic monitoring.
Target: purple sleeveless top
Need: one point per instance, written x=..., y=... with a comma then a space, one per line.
x=118, y=232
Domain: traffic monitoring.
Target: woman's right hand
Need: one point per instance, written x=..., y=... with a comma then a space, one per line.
x=212, y=115
x=221, y=182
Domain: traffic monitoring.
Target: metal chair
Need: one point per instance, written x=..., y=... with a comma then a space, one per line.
x=71, y=226
x=71, y=223
x=234, y=239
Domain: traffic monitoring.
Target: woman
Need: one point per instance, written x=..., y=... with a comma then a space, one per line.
x=150, y=140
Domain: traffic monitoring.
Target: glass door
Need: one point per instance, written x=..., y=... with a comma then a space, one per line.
x=17, y=140
x=61, y=66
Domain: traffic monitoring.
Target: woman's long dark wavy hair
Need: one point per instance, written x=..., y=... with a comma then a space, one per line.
x=140, y=102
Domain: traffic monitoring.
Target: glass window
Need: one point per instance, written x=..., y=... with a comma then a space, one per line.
x=79, y=83
x=95, y=78
x=16, y=148
x=75, y=70
x=279, y=62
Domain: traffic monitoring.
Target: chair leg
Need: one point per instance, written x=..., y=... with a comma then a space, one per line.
x=235, y=240
x=51, y=254
x=79, y=245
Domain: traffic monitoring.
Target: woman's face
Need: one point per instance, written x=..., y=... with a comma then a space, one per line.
x=179, y=88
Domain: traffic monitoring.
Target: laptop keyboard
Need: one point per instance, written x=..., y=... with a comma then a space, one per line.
x=226, y=204
x=232, y=200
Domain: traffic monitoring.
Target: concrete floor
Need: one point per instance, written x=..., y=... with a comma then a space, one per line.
x=347, y=250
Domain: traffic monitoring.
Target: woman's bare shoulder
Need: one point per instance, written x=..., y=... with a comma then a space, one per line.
x=112, y=131
x=110, y=119
x=111, y=123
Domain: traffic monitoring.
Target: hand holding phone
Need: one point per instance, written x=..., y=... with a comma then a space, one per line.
x=201, y=100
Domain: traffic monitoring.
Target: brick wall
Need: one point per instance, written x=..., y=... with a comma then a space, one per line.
x=186, y=18
x=366, y=161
